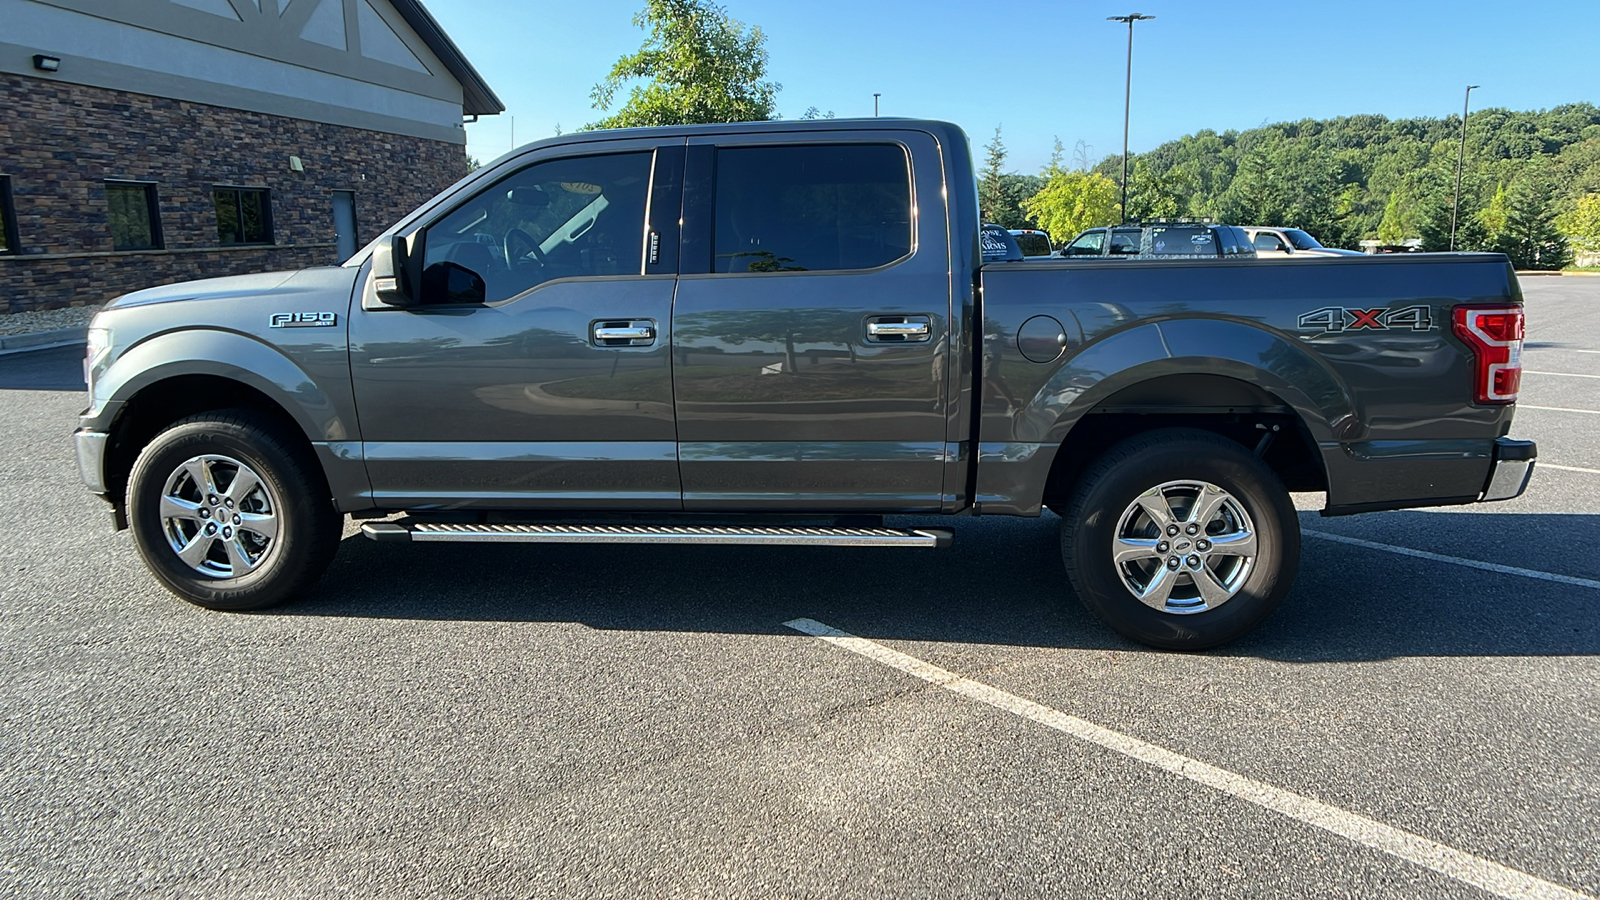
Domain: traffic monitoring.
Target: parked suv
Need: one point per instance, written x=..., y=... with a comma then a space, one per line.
x=1161, y=240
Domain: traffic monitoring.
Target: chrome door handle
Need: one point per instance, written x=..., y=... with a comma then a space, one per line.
x=624, y=333
x=898, y=329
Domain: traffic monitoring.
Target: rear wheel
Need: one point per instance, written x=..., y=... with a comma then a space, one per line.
x=230, y=514
x=1180, y=539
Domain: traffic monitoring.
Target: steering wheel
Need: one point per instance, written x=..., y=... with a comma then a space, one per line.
x=517, y=234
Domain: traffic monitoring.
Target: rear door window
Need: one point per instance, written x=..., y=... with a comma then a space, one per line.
x=810, y=208
x=1268, y=242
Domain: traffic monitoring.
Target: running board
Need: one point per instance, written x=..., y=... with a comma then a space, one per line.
x=659, y=534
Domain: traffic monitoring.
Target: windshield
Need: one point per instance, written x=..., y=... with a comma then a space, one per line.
x=1301, y=240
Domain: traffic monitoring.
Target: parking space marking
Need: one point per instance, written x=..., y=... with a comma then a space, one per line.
x=1545, y=465
x=1562, y=374
x=1590, y=412
x=1490, y=876
x=1469, y=563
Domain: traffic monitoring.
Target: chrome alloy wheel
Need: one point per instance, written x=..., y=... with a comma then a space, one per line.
x=1184, y=547
x=219, y=516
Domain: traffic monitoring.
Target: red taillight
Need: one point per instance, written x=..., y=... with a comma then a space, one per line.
x=1495, y=335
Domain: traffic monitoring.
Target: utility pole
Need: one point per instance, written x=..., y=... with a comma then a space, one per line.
x=1461, y=158
x=875, y=105
x=1127, y=100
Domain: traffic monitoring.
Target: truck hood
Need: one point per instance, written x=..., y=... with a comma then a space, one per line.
x=257, y=285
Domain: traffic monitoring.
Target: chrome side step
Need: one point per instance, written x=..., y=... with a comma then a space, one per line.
x=659, y=534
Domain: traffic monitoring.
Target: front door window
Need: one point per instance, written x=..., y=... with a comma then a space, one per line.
x=566, y=218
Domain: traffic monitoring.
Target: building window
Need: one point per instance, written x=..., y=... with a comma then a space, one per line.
x=244, y=215
x=8, y=218
x=134, y=215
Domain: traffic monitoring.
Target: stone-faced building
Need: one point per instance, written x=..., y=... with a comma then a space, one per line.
x=150, y=141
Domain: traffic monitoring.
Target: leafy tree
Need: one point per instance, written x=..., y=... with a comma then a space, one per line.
x=1153, y=196
x=1494, y=216
x=1582, y=224
x=699, y=65
x=1071, y=202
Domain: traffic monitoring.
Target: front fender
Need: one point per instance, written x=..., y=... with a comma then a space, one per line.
x=224, y=354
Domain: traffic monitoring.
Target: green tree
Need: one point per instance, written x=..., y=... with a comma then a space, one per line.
x=1153, y=195
x=1398, y=222
x=699, y=66
x=1494, y=216
x=1581, y=225
x=1071, y=202
x=1530, y=237
x=992, y=201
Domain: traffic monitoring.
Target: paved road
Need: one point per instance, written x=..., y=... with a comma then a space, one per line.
x=593, y=721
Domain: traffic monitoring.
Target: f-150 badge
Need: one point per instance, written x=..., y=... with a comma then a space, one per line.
x=1335, y=319
x=305, y=320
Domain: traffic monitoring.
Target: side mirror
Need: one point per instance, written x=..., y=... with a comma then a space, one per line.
x=389, y=281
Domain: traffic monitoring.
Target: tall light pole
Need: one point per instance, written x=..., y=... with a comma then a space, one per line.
x=1460, y=159
x=1127, y=100
x=875, y=105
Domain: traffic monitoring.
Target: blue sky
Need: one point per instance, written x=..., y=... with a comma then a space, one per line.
x=1043, y=70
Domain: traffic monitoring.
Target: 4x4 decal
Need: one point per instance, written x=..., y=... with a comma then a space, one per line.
x=1334, y=319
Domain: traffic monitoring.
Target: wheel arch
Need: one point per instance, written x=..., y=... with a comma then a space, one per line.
x=1218, y=375
x=174, y=375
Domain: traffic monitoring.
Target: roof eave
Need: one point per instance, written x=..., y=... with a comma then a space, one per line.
x=477, y=98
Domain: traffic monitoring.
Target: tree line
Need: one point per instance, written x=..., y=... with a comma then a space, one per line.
x=1530, y=185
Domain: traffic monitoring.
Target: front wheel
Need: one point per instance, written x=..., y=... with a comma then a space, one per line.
x=231, y=514
x=1180, y=539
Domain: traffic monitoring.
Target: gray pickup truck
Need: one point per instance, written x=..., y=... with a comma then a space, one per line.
x=780, y=333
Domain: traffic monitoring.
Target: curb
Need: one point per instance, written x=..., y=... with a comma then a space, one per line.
x=42, y=340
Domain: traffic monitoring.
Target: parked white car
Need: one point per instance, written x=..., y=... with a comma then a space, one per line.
x=1278, y=243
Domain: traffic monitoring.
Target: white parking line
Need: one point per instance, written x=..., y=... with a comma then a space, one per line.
x=1545, y=465
x=1562, y=374
x=1589, y=412
x=1469, y=563
x=1502, y=881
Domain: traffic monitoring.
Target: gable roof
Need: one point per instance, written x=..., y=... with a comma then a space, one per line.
x=477, y=98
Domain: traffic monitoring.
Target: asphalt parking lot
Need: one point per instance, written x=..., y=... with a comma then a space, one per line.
x=1421, y=718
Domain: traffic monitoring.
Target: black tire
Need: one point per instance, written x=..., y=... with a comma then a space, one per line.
x=291, y=500
x=1177, y=463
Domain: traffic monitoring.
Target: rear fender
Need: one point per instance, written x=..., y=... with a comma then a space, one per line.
x=1012, y=473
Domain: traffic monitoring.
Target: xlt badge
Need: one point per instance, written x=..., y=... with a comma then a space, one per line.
x=305, y=320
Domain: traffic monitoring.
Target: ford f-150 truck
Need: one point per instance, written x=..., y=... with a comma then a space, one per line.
x=781, y=333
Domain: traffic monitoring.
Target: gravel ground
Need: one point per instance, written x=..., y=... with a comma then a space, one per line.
x=47, y=319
